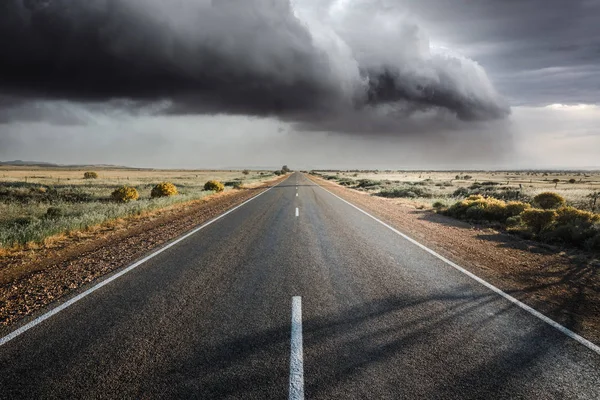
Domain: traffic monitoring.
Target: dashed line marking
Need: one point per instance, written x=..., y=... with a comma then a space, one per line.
x=296, y=355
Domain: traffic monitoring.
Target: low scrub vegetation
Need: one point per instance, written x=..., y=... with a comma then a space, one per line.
x=164, y=189
x=215, y=186
x=522, y=202
x=548, y=200
x=410, y=192
x=555, y=223
x=90, y=175
x=50, y=202
x=125, y=194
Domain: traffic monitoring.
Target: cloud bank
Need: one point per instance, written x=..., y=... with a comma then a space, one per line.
x=318, y=66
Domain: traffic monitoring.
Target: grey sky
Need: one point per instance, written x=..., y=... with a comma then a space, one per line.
x=386, y=84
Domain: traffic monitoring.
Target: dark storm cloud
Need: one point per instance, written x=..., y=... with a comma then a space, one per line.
x=252, y=57
x=536, y=51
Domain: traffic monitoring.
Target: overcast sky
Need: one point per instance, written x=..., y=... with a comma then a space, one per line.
x=308, y=83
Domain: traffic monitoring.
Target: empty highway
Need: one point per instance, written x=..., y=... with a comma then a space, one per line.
x=296, y=294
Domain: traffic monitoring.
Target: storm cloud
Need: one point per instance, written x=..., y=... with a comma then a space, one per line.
x=320, y=67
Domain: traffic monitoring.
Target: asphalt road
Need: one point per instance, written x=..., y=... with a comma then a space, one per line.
x=210, y=317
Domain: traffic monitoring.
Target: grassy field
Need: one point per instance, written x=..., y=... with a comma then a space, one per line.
x=26, y=195
x=447, y=187
x=509, y=200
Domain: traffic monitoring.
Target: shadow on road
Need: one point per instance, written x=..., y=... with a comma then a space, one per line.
x=446, y=346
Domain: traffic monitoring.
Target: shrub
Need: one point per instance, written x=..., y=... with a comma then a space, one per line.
x=475, y=197
x=478, y=208
x=548, y=200
x=593, y=243
x=538, y=219
x=214, y=186
x=572, y=180
x=461, y=192
x=438, y=204
x=245, y=172
x=572, y=215
x=409, y=192
x=514, y=208
x=237, y=184
x=125, y=194
x=164, y=189
x=24, y=221
x=574, y=226
x=90, y=175
x=367, y=183
x=346, y=182
x=278, y=172
x=514, y=221
x=54, y=212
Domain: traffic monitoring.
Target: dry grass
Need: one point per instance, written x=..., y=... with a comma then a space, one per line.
x=26, y=194
x=442, y=184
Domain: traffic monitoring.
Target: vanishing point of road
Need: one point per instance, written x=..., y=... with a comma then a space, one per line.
x=295, y=294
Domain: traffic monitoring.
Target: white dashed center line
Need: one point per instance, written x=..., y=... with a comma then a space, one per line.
x=296, y=356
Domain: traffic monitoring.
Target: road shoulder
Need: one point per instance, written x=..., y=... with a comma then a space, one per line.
x=57, y=273
x=564, y=286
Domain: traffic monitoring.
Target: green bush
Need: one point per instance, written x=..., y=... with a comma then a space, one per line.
x=54, y=212
x=238, y=184
x=479, y=208
x=125, y=194
x=574, y=226
x=593, y=243
x=461, y=192
x=346, y=181
x=368, y=183
x=538, y=219
x=90, y=175
x=215, y=186
x=548, y=200
x=514, y=221
x=406, y=192
x=164, y=189
x=514, y=208
x=572, y=215
x=24, y=221
x=438, y=205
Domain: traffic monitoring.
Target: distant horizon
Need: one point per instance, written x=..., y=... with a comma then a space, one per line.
x=39, y=163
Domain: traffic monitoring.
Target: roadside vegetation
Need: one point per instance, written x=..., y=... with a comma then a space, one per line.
x=37, y=203
x=558, y=207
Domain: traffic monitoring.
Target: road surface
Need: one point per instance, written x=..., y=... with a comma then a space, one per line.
x=378, y=318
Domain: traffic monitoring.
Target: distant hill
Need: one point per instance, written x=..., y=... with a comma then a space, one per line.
x=21, y=163
x=29, y=163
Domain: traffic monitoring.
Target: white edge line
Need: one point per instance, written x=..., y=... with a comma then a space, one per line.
x=508, y=297
x=296, y=356
x=106, y=281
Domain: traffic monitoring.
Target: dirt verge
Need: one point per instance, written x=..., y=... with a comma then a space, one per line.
x=563, y=284
x=30, y=280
